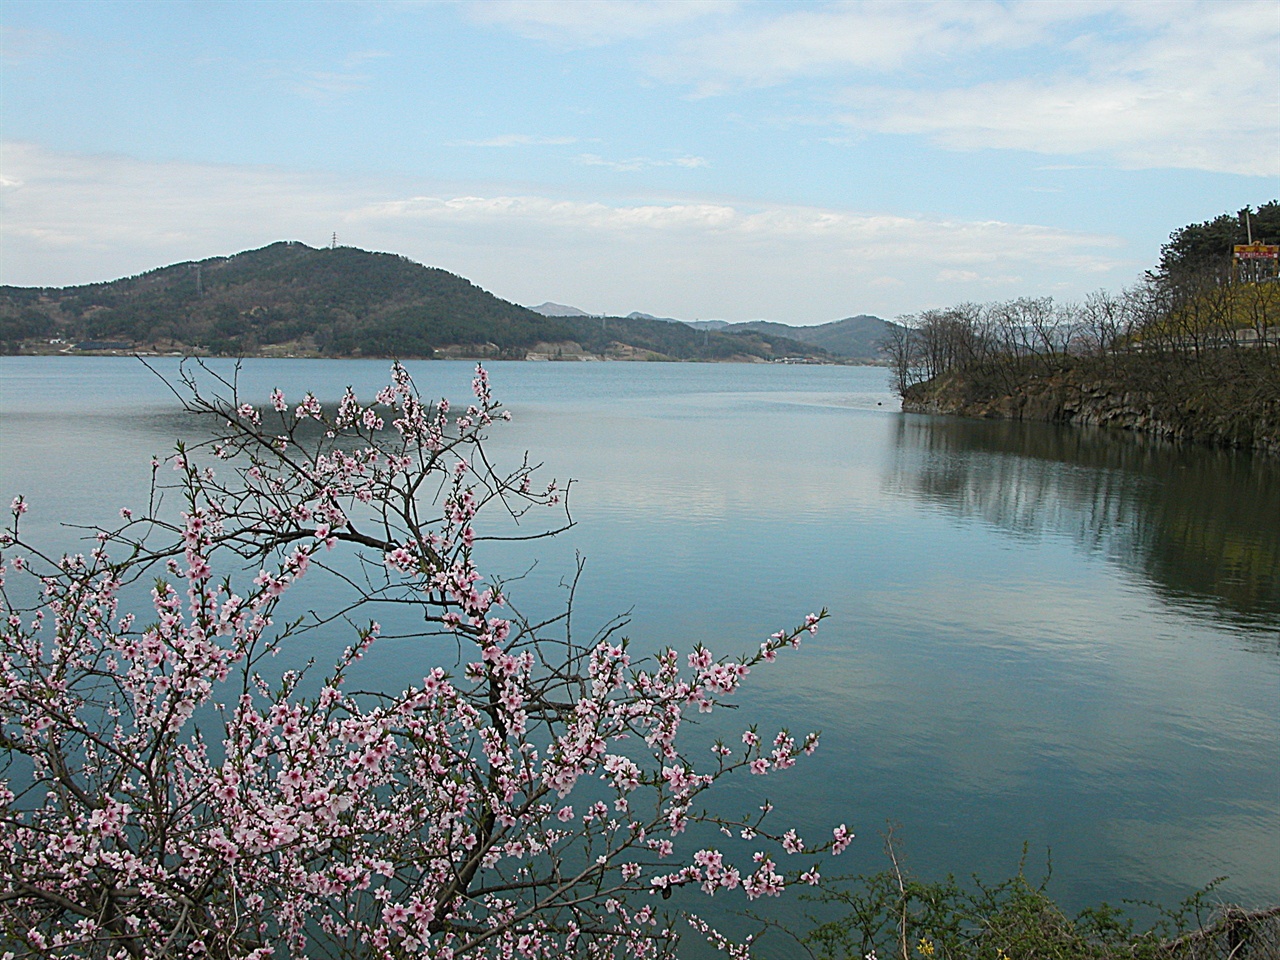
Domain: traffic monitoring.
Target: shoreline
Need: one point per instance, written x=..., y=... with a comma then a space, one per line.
x=1224, y=400
x=455, y=353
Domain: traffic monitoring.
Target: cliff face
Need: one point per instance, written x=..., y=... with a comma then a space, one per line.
x=1235, y=404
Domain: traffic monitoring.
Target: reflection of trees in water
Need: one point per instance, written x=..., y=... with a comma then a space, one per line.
x=1203, y=525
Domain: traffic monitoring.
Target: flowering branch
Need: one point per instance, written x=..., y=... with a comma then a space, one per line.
x=163, y=798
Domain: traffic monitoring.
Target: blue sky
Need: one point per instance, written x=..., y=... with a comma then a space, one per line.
x=798, y=162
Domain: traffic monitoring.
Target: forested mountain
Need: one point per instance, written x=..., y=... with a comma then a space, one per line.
x=291, y=299
x=853, y=338
x=856, y=338
x=675, y=339
x=340, y=301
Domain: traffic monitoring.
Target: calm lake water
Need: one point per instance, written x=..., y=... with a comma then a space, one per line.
x=1054, y=636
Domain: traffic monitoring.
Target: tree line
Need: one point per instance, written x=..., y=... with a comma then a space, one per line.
x=1193, y=310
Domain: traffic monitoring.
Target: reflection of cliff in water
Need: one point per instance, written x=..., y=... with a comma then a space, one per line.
x=1202, y=525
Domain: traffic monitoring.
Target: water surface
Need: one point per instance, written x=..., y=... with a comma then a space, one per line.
x=1050, y=635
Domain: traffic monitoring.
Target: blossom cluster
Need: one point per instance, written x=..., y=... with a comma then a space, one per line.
x=530, y=799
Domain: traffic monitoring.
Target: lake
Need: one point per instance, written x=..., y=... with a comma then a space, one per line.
x=1038, y=634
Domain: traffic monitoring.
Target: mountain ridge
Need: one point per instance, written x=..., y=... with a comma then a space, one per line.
x=289, y=299
x=550, y=309
x=855, y=338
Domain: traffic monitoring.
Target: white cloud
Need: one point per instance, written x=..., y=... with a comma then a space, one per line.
x=345, y=76
x=833, y=39
x=19, y=45
x=71, y=218
x=74, y=219
x=640, y=163
x=1158, y=84
x=514, y=140
x=592, y=22
x=1190, y=84
x=327, y=84
x=1201, y=93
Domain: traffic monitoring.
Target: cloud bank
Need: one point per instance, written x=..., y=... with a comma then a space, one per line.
x=1159, y=84
x=80, y=218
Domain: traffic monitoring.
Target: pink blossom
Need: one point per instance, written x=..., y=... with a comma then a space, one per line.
x=304, y=814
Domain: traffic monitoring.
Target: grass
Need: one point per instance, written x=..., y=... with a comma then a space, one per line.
x=894, y=916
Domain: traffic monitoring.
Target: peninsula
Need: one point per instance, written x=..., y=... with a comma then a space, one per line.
x=1192, y=352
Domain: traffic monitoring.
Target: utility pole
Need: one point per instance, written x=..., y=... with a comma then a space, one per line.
x=333, y=243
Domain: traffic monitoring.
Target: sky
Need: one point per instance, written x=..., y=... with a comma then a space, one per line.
x=789, y=161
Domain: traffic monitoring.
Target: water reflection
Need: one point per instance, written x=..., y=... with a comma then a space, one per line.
x=1022, y=645
x=1202, y=526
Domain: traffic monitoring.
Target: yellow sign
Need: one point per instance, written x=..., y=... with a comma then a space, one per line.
x=1256, y=251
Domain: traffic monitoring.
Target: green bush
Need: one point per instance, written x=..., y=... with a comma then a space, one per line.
x=893, y=915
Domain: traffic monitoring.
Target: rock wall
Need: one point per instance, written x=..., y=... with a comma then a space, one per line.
x=1236, y=412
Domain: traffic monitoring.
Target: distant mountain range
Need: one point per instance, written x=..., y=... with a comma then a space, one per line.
x=854, y=338
x=289, y=299
x=550, y=309
x=637, y=315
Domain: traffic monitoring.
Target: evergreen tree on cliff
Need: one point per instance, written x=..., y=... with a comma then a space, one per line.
x=1198, y=247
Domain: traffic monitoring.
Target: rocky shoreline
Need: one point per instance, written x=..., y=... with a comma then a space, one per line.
x=1219, y=404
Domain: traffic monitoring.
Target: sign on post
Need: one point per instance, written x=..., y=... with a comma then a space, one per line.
x=1256, y=251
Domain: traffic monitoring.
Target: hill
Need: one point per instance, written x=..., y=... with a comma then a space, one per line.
x=289, y=299
x=550, y=309
x=637, y=315
x=855, y=338
x=635, y=335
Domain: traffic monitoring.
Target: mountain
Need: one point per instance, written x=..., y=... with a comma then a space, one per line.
x=637, y=315
x=550, y=309
x=856, y=338
x=289, y=299
x=283, y=298
x=658, y=337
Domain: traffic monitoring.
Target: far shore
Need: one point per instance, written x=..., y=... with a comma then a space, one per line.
x=447, y=353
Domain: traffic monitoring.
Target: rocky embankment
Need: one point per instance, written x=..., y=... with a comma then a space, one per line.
x=1233, y=404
